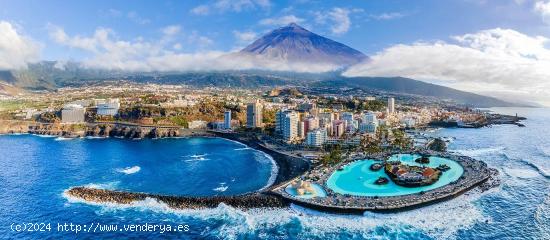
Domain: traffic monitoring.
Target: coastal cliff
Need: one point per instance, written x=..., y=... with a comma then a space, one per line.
x=132, y=131
x=9, y=126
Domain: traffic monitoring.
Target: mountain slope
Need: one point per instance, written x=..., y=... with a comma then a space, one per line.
x=410, y=86
x=293, y=43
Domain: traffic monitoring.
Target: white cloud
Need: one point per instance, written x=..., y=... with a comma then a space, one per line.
x=201, y=10
x=338, y=18
x=231, y=6
x=171, y=30
x=281, y=21
x=245, y=37
x=543, y=8
x=16, y=50
x=108, y=52
x=500, y=62
x=388, y=16
x=133, y=16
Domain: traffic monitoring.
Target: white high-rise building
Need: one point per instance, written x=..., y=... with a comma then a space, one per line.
x=254, y=114
x=109, y=107
x=279, y=120
x=301, y=129
x=290, y=126
x=73, y=113
x=227, y=119
x=317, y=137
x=369, y=117
x=368, y=127
x=347, y=116
x=391, y=105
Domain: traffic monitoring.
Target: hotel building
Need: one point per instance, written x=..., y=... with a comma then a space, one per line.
x=72, y=113
x=227, y=119
x=254, y=114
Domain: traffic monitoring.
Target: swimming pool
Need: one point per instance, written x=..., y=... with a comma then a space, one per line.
x=357, y=179
x=319, y=191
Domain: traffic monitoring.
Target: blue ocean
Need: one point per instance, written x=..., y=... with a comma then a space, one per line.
x=35, y=171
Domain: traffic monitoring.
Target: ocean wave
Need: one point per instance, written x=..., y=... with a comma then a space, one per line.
x=440, y=221
x=129, y=170
x=44, y=136
x=62, y=139
x=521, y=172
x=274, y=171
x=96, y=137
x=221, y=188
x=544, y=150
x=17, y=134
x=241, y=149
x=196, y=157
x=542, y=218
x=231, y=140
x=108, y=185
x=545, y=173
x=480, y=151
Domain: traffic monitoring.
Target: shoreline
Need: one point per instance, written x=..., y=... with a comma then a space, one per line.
x=290, y=168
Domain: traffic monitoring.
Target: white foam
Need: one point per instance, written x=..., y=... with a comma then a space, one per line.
x=129, y=170
x=542, y=218
x=63, y=139
x=480, y=151
x=231, y=140
x=274, y=171
x=18, y=134
x=108, y=185
x=241, y=149
x=96, y=137
x=545, y=150
x=221, y=189
x=44, y=136
x=440, y=221
x=521, y=172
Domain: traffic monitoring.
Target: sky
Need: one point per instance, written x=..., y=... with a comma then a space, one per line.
x=494, y=47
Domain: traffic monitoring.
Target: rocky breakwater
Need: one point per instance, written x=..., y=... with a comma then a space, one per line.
x=248, y=201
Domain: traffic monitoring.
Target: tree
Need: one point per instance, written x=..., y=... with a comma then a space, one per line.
x=333, y=157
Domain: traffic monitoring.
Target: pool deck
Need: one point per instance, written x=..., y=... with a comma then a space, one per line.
x=475, y=173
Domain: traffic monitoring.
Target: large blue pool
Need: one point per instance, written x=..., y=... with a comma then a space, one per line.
x=357, y=179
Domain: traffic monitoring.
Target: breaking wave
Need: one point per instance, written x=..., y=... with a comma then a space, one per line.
x=244, y=148
x=62, y=139
x=480, y=151
x=108, y=186
x=542, y=218
x=221, y=188
x=196, y=157
x=440, y=221
x=539, y=169
x=129, y=170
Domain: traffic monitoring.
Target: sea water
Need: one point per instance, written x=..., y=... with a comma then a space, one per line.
x=34, y=172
